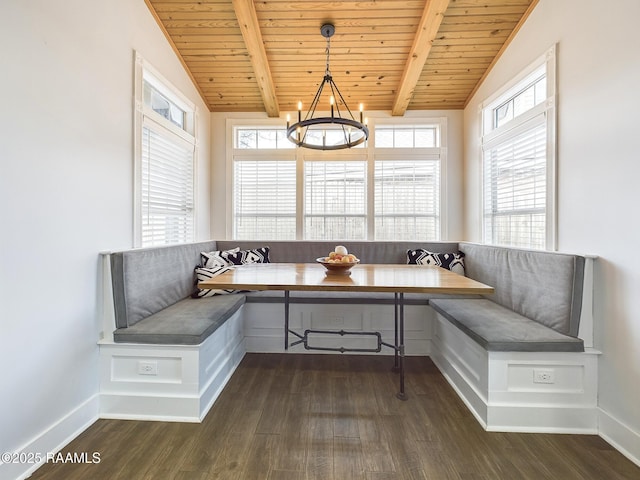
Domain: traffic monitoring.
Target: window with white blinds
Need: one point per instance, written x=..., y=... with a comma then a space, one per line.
x=166, y=188
x=519, y=160
x=515, y=172
x=335, y=206
x=165, y=158
x=264, y=199
x=386, y=192
x=407, y=199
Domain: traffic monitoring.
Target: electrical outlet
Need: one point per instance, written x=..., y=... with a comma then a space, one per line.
x=544, y=375
x=147, y=368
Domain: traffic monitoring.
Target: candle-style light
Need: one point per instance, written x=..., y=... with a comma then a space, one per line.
x=351, y=132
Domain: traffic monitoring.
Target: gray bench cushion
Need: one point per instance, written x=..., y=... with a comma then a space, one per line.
x=496, y=328
x=188, y=322
x=543, y=286
x=146, y=280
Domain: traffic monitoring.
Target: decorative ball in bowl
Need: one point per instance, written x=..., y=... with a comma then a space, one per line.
x=339, y=262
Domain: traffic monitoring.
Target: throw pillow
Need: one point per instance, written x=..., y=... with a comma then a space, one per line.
x=243, y=257
x=203, y=273
x=450, y=261
x=212, y=259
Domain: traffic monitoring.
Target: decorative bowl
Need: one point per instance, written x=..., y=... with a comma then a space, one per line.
x=336, y=268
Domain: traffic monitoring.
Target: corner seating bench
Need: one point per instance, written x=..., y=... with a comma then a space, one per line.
x=167, y=356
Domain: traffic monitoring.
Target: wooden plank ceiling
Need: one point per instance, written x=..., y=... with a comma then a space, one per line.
x=391, y=55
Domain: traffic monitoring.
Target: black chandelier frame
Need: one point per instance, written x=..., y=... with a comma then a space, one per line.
x=297, y=133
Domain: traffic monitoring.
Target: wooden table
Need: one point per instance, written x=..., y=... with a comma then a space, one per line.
x=397, y=279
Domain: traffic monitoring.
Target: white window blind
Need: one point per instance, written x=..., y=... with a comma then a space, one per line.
x=518, y=146
x=264, y=199
x=167, y=188
x=165, y=155
x=335, y=200
x=388, y=189
x=407, y=199
x=515, y=172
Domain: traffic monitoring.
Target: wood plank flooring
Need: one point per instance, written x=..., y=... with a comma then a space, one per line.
x=334, y=417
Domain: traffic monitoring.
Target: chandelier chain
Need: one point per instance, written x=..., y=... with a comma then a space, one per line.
x=327, y=72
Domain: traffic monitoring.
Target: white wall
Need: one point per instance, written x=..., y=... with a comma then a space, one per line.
x=66, y=90
x=452, y=189
x=598, y=172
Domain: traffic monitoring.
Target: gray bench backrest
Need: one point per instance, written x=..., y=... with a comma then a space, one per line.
x=367, y=252
x=543, y=286
x=148, y=280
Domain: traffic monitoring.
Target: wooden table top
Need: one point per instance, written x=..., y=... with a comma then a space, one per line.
x=364, y=278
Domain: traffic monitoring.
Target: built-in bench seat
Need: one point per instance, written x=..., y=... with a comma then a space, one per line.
x=522, y=358
x=187, y=322
x=536, y=306
x=498, y=329
x=165, y=355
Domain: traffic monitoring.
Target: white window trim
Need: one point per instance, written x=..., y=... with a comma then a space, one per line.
x=142, y=67
x=369, y=153
x=548, y=108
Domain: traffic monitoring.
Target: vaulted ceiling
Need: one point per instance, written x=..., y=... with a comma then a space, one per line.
x=391, y=55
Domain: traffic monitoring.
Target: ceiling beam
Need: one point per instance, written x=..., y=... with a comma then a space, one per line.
x=427, y=30
x=248, y=21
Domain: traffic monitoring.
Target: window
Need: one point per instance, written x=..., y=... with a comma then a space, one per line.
x=518, y=146
x=164, y=158
x=264, y=199
x=407, y=199
x=262, y=138
x=335, y=206
x=387, y=190
x=406, y=136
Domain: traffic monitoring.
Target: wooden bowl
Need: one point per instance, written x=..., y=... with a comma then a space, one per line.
x=336, y=268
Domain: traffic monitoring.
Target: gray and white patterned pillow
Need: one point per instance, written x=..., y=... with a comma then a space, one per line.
x=217, y=262
x=450, y=261
x=212, y=259
x=243, y=257
x=204, y=273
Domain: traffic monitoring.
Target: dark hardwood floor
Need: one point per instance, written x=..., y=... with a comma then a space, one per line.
x=334, y=417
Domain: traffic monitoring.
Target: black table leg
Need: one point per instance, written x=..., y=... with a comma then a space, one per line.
x=396, y=362
x=400, y=346
x=286, y=319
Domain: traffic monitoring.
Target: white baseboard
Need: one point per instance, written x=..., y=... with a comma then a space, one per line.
x=543, y=419
x=53, y=439
x=619, y=436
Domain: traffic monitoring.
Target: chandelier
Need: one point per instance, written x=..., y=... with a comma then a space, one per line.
x=336, y=132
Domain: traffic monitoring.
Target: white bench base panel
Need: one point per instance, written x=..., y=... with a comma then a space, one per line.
x=189, y=377
x=499, y=387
